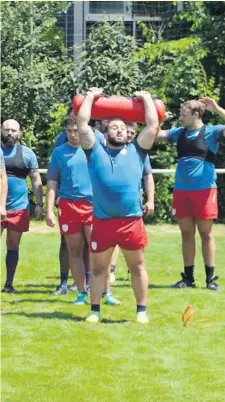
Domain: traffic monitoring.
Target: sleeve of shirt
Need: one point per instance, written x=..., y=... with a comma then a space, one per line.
x=2, y=160
x=100, y=137
x=60, y=139
x=174, y=134
x=53, y=168
x=147, y=166
x=218, y=132
x=30, y=159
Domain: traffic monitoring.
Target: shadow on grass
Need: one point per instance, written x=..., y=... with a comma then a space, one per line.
x=45, y=316
x=39, y=301
x=34, y=285
x=152, y=286
x=103, y=321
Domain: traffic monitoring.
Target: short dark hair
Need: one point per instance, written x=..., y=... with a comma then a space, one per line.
x=195, y=106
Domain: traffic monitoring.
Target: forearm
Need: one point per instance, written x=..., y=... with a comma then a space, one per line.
x=220, y=111
x=50, y=197
x=84, y=114
x=151, y=116
x=37, y=189
x=149, y=188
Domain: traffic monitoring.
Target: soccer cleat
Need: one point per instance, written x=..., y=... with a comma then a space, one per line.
x=184, y=283
x=9, y=289
x=61, y=290
x=112, y=277
x=142, y=317
x=110, y=300
x=93, y=318
x=81, y=299
x=212, y=285
x=73, y=287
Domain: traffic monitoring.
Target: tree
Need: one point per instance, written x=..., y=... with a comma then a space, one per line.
x=37, y=75
x=108, y=60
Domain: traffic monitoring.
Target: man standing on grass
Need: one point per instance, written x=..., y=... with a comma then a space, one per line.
x=195, y=192
x=20, y=162
x=116, y=171
x=68, y=170
x=149, y=186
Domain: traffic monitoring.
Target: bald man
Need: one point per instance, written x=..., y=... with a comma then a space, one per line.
x=20, y=162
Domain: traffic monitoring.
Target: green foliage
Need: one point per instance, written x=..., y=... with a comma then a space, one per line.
x=108, y=60
x=37, y=76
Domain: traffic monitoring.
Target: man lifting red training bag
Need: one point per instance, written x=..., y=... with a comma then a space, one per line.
x=127, y=109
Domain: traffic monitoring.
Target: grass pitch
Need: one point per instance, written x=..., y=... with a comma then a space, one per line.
x=49, y=354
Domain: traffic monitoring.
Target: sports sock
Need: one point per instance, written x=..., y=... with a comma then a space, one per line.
x=11, y=261
x=189, y=272
x=64, y=261
x=140, y=308
x=88, y=277
x=112, y=268
x=209, y=271
x=95, y=307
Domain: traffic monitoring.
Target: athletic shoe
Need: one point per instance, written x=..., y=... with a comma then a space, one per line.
x=110, y=300
x=94, y=317
x=9, y=289
x=61, y=290
x=112, y=277
x=212, y=285
x=73, y=287
x=142, y=317
x=184, y=283
x=81, y=299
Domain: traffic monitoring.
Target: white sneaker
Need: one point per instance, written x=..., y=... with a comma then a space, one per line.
x=73, y=287
x=112, y=277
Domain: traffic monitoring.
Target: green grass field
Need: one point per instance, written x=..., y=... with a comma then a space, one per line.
x=49, y=354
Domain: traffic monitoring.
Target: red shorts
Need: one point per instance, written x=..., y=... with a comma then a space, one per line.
x=73, y=215
x=18, y=221
x=128, y=233
x=198, y=204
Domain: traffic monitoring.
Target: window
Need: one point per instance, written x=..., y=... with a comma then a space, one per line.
x=106, y=7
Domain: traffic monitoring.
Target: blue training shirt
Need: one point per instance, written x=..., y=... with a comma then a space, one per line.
x=17, y=198
x=116, y=180
x=68, y=166
x=193, y=173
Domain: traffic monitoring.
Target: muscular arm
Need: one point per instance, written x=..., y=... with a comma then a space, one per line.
x=36, y=185
x=149, y=185
x=163, y=135
x=147, y=135
x=37, y=189
x=52, y=187
x=87, y=136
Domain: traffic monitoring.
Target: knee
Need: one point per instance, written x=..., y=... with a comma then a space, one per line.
x=137, y=270
x=206, y=236
x=187, y=234
x=75, y=253
x=99, y=270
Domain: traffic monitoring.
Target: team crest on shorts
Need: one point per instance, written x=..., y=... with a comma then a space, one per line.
x=174, y=211
x=94, y=245
x=65, y=228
